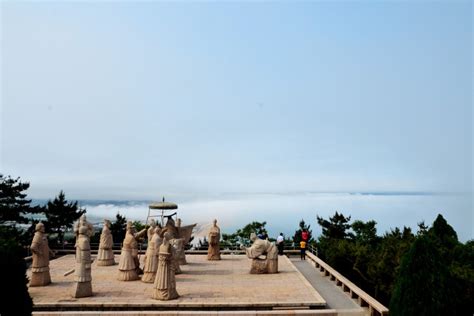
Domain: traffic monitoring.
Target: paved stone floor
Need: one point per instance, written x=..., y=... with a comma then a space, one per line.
x=335, y=297
x=224, y=284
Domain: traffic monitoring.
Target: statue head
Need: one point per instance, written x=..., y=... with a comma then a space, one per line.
x=178, y=222
x=83, y=218
x=214, y=222
x=167, y=236
x=253, y=237
x=106, y=224
x=152, y=222
x=130, y=226
x=39, y=227
x=170, y=222
x=157, y=230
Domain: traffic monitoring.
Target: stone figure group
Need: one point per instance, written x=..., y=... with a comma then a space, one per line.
x=163, y=257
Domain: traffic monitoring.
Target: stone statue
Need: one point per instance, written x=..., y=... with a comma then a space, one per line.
x=165, y=282
x=214, y=236
x=151, y=230
x=129, y=265
x=83, y=222
x=170, y=227
x=40, y=267
x=105, y=257
x=83, y=278
x=179, y=232
x=264, y=254
x=151, y=256
x=179, y=256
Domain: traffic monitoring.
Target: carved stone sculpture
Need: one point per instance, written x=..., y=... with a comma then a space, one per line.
x=165, y=282
x=129, y=265
x=40, y=267
x=264, y=254
x=83, y=222
x=83, y=278
x=179, y=256
x=178, y=232
x=105, y=257
x=214, y=236
x=151, y=256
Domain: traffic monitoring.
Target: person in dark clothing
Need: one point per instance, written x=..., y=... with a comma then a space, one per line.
x=280, y=244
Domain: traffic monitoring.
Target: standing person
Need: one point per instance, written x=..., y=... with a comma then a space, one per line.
x=303, y=249
x=304, y=235
x=280, y=244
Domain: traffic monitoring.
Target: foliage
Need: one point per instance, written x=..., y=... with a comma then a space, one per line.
x=203, y=244
x=61, y=215
x=13, y=203
x=242, y=235
x=407, y=271
x=15, y=301
x=302, y=226
x=423, y=286
x=138, y=225
x=336, y=228
x=382, y=270
x=118, y=228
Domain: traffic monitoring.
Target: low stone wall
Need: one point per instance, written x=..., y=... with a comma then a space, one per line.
x=364, y=299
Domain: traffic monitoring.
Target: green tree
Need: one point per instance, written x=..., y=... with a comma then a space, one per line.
x=61, y=215
x=138, y=225
x=423, y=285
x=385, y=260
x=462, y=273
x=253, y=227
x=337, y=227
x=242, y=235
x=13, y=202
x=118, y=228
x=364, y=245
x=16, y=300
x=443, y=232
x=365, y=233
x=302, y=226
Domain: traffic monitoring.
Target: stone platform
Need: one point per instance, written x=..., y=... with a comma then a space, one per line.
x=204, y=285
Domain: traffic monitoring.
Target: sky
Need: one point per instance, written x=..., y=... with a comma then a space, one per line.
x=193, y=100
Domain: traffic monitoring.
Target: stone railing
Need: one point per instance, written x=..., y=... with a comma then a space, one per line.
x=363, y=299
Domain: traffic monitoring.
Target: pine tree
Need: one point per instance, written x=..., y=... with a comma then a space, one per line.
x=118, y=228
x=61, y=215
x=13, y=202
x=423, y=285
x=336, y=227
x=302, y=226
x=16, y=300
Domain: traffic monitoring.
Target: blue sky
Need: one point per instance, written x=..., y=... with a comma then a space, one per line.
x=138, y=100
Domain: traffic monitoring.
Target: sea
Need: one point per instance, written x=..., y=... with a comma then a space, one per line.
x=283, y=212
